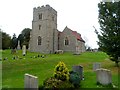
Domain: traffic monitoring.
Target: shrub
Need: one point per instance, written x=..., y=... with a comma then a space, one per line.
x=74, y=78
x=53, y=83
x=61, y=72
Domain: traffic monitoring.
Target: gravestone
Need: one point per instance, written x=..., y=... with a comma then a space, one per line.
x=96, y=66
x=24, y=50
x=59, y=52
x=79, y=70
x=104, y=76
x=18, y=47
x=31, y=82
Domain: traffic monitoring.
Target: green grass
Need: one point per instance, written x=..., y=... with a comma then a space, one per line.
x=13, y=70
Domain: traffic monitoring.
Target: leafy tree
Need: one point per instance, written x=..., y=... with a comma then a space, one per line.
x=24, y=37
x=14, y=42
x=109, y=35
x=6, y=39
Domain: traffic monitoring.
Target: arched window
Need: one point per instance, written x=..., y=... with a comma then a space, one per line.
x=40, y=16
x=39, y=40
x=66, y=41
x=39, y=27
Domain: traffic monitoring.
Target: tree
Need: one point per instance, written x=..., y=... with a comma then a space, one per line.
x=109, y=35
x=88, y=48
x=21, y=39
x=6, y=39
x=14, y=42
x=24, y=37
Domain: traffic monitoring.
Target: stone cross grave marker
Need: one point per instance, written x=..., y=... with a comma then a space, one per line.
x=96, y=66
x=104, y=76
x=24, y=50
x=18, y=47
x=79, y=70
x=31, y=82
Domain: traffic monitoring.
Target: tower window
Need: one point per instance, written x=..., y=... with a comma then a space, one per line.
x=39, y=40
x=40, y=16
x=66, y=41
x=39, y=27
x=52, y=18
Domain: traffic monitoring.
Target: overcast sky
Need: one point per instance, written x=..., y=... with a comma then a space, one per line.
x=78, y=15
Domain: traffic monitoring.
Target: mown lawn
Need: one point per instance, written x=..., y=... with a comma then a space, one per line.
x=13, y=70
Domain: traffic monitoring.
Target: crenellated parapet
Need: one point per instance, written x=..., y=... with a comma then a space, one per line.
x=44, y=8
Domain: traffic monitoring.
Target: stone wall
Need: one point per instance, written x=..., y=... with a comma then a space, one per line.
x=72, y=41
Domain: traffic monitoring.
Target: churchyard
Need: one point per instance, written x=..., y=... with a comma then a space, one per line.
x=15, y=66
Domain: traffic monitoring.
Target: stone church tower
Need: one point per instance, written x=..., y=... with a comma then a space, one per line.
x=44, y=34
x=45, y=38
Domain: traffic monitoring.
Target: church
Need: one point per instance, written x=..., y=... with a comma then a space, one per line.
x=46, y=38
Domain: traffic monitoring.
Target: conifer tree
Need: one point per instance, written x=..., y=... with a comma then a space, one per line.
x=109, y=35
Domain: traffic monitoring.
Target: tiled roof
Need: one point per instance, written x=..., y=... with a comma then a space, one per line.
x=77, y=35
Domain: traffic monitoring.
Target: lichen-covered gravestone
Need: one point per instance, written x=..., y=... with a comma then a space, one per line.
x=96, y=66
x=79, y=70
x=31, y=82
x=24, y=50
x=104, y=76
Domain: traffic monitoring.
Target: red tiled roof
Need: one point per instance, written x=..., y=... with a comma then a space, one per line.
x=77, y=35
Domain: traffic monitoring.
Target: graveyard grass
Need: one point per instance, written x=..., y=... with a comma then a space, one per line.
x=13, y=70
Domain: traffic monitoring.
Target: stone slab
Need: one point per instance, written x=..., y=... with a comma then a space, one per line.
x=104, y=76
x=79, y=70
x=96, y=66
x=31, y=82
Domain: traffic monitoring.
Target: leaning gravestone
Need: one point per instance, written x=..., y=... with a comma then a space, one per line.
x=79, y=70
x=31, y=82
x=96, y=66
x=104, y=76
x=24, y=50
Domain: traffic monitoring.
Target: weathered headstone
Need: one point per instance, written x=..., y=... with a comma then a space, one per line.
x=79, y=70
x=18, y=47
x=59, y=52
x=104, y=76
x=31, y=82
x=24, y=50
x=96, y=66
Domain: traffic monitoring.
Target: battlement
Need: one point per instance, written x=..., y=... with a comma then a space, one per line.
x=43, y=8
